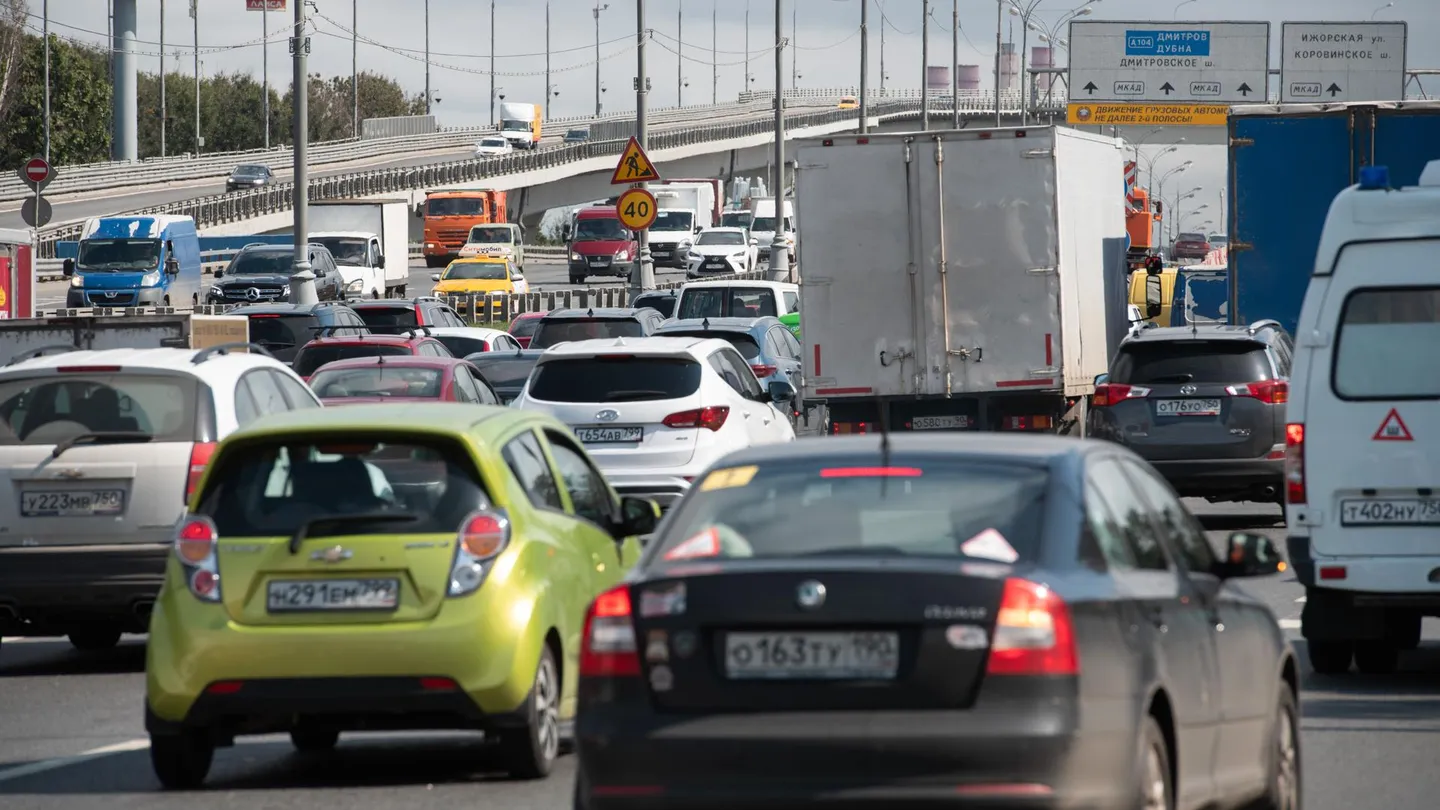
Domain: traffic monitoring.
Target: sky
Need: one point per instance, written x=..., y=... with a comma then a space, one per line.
x=826, y=38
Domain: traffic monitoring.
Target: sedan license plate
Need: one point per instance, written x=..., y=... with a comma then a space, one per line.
x=1390, y=512
x=812, y=656
x=939, y=422
x=73, y=503
x=293, y=596
x=610, y=435
x=1187, y=407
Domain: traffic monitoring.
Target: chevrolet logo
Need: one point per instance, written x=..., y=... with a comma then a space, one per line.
x=334, y=554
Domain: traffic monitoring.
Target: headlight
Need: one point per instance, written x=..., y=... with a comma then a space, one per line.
x=575, y=257
x=150, y=279
x=284, y=292
x=216, y=291
x=77, y=281
x=686, y=245
x=622, y=255
x=429, y=245
x=355, y=286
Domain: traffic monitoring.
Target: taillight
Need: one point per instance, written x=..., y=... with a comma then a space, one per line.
x=711, y=418
x=762, y=371
x=1295, y=463
x=607, y=648
x=1033, y=633
x=195, y=542
x=482, y=537
x=1107, y=394
x=200, y=456
x=1270, y=392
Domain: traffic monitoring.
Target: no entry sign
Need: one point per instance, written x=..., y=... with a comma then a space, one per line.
x=36, y=173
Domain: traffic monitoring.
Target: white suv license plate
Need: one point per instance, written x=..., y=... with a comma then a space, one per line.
x=812, y=656
x=1390, y=512
x=73, y=503
x=939, y=422
x=1187, y=407
x=300, y=596
x=610, y=435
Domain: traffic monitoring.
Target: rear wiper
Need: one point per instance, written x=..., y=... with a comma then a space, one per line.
x=117, y=436
x=341, y=520
x=1171, y=378
x=622, y=396
x=856, y=551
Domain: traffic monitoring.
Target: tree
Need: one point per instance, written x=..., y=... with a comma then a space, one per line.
x=12, y=41
x=79, y=105
x=331, y=104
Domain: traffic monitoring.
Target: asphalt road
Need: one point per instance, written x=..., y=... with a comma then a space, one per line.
x=73, y=735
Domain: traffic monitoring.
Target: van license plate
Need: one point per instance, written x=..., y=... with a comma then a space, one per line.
x=939, y=422
x=72, y=503
x=294, y=596
x=608, y=435
x=1390, y=512
x=1187, y=407
x=812, y=656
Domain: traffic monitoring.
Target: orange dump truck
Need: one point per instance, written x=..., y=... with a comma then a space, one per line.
x=449, y=215
x=1140, y=222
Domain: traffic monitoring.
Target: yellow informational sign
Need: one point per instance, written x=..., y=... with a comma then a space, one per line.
x=634, y=166
x=1174, y=115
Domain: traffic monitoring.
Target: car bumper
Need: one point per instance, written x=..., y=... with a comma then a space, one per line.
x=1005, y=754
x=700, y=269
x=77, y=298
x=612, y=268
x=45, y=590
x=663, y=487
x=1221, y=476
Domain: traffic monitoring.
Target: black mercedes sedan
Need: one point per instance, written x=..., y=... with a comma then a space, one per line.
x=949, y=619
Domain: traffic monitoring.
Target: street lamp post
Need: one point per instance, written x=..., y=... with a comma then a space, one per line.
x=999, y=31
x=427, y=56
x=596, y=12
x=779, y=260
x=924, y=65
x=644, y=276
x=302, y=281
x=954, y=64
x=493, y=119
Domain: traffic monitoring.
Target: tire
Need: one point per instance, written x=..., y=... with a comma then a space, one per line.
x=181, y=761
x=1404, y=631
x=1376, y=657
x=1154, y=787
x=433, y=262
x=166, y=301
x=92, y=639
x=1282, y=777
x=314, y=740
x=574, y=279
x=1330, y=657
x=530, y=752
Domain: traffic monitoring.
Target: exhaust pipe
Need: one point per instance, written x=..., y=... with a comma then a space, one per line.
x=1270, y=493
x=144, y=609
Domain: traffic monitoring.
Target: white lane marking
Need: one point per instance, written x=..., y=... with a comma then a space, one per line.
x=1300, y=601
x=65, y=762
x=1289, y=624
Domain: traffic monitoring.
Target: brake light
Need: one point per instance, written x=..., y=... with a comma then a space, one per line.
x=762, y=371
x=1033, y=633
x=87, y=369
x=195, y=548
x=200, y=456
x=482, y=537
x=1107, y=394
x=225, y=687
x=607, y=648
x=711, y=418
x=1295, y=463
x=871, y=472
x=1270, y=392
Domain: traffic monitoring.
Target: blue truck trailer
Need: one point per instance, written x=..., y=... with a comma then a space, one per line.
x=1287, y=163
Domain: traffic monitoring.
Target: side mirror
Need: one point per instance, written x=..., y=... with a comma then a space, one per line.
x=1153, y=304
x=1250, y=555
x=781, y=391
x=434, y=276
x=638, y=516
x=699, y=228
x=565, y=232
x=68, y=267
x=420, y=212
x=1101, y=379
x=380, y=259
x=172, y=266
x=219, y=272
x=754, y=241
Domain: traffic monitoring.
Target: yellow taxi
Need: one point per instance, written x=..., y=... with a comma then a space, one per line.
x=473, y=278
x=848, y=103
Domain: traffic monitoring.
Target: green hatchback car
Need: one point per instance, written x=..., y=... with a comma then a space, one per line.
x=384, y=567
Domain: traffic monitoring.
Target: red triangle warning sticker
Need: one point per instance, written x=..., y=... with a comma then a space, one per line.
x=1393, y=429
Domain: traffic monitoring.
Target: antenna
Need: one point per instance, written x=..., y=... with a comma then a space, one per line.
x=884, y=420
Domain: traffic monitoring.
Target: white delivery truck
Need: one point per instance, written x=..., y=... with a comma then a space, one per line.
x=520, y=124
x=961, y=280
x=683, y=209
x=370, y=240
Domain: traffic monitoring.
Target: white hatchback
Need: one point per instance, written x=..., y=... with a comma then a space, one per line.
x=1362, y=472
x=656, y=412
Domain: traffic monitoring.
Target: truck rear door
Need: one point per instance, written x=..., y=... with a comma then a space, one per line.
x=1404, y=140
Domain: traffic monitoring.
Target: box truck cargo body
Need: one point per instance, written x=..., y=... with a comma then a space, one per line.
x=963, y=280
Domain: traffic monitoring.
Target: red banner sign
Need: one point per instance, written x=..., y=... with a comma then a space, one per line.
x=264, y=5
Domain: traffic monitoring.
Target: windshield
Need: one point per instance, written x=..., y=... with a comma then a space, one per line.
x=743, y=342
x=1218, y=239
x=455, y=207
x=735, y=219
x=281, y=332
x=475, y=271
x=663, y=304
x=1191, y=361
x=378, y=381
x=524, y=327
x=460, y=345
x=503, y=370
x=347, y=250
x=50, y=410
x=577, y=134
x=118, y=254
x=512, y=124
x=721, y=238
x=500, y=142
x=491, y=235
x=389, y=320
x=273, y=488
x=562, y=330
x=262, y=263
x=618, y=379
x=606, y=230
x=727, y=302
x=249, y=171
x=766, y=224
x=311, y=358
x=919, y=507
x=673, y=221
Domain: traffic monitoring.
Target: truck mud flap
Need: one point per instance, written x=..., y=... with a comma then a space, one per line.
x=1073, y=422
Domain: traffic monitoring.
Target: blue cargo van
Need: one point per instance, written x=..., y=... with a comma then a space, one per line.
x=135, y=261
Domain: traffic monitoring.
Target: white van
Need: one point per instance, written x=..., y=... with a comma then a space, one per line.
x=1362, y=467
x=762, y=226
x=737, y=299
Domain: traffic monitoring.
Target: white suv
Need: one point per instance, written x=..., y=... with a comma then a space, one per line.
x=1362, y=474
x=102, y=449
x=656, y=412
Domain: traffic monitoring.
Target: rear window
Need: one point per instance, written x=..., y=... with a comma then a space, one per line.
x=663, y=304
x=564, y=330
x=1384, y=347
x=388, y=320
x=524, y=327
x=845, y=506
x=461, y=346
x=53, y=409
x=378, y=381
x=1191, y=361
x=619, y=379
x=742, y=342
x=727, y=302
x=273, y=489
x=1190, y=237
x=312, y=358
x=503, y=371
x=277, y=332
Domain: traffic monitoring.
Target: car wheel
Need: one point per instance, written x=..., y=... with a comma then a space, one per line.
x=1376, y=657
x=1155, y=790
x=530, y=751
x=167, y=300
x=310, y=740
x=90, y=639
x=181, y=761
x=1282, y=781
x=1330, y=657
x=574, y=279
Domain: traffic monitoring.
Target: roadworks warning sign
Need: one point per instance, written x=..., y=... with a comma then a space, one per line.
x=1183, y=115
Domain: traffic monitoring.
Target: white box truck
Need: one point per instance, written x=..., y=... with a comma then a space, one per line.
x=683, y=209
x=960, y=280
x=520, y=124
x=370, y=240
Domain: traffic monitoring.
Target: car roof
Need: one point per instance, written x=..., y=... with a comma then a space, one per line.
x=717, y=324
x=1411, y=212
x=219, y=364
x=1161, y=334
x=597, y=212
x=525, y=316
x=387, y=340
x=595, y=312
x=774, y=285
x=635, y=345
x=724, y=229
x=464, y=331
x=1027, y=448
x=483, y=358
x=481, y=259
x=280, y=308
x=383, y=303
x=410, y=361
x=416, y=417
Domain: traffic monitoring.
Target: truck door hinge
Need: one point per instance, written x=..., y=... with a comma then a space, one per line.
x=813, y=166
x=1236, y=247
x=818, y=281
x=1242, y=141
x=1040, y=153
x=1048, y=371
x=1042, y=271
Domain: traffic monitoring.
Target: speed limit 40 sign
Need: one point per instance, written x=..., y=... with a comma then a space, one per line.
x=637, y=209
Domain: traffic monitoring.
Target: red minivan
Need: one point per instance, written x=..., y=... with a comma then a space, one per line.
x=600, y=245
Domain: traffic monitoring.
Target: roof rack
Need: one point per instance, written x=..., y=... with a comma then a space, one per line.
x=40, y=351
x=419, y=331
x=255, y=244
x=325, y=331
x=1268, y=323
x=225, y=348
